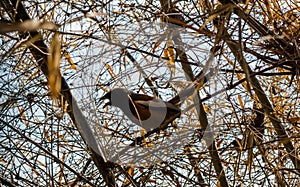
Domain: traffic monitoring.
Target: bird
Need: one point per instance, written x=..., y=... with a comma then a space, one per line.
x=145, y=111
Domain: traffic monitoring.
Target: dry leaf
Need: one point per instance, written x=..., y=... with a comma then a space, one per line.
x=54, y=76
x=70, y=60
x=110, y=71
x=171, y=56
x=241, y=101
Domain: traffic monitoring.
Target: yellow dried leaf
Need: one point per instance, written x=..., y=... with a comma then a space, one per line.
x=207, y=109
x=170, y=54
x=54, y=76
x=241, y=101
x=130, y=171
x=23, y=116
x=166, y=54
x=63, y=157
x=244, y=84
x=156, y=46
x=47, y=135
x=110, y=71
x=70, y=60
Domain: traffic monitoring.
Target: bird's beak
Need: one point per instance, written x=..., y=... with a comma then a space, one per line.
x=107, y=104
x=106, y=96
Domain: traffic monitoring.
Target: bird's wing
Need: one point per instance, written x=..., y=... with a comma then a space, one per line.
x=172, y=107
x=157, y=104
x=140, y=97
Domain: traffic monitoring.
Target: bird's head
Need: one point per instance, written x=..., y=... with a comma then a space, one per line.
x=115, y=97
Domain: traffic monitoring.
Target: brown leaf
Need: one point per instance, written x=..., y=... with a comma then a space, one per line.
x=54, y=76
